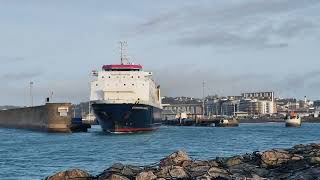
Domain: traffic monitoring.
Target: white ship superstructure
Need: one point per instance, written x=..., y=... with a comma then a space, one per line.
x=125, y=83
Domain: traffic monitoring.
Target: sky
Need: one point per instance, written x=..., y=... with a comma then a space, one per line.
x=233, y=46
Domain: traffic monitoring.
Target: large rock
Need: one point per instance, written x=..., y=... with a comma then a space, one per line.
x=116, y=168
x=215, y=172
x=315, y=160
x=305, y=149
x=131, y=171
x=196, y=168
x=248, y=170
x=124, y=170
x=186, y=164
x=178, y=172
x=296, y=157
x=213, y=163
x=196, y=171
x=205, y=177
x=299, y=162
x=175, y=159
x=234, y=161
x=310, y=173
x=146, y=176
x=275, y=158
x=117, y=177
x=70, y=174
x=163, y=172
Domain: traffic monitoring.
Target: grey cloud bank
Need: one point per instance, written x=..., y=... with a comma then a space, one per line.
x=253, y=24
x=234, y=46
x=20, y=76
x=7, y=59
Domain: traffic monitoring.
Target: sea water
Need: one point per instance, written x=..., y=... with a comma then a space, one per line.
x=34, y=155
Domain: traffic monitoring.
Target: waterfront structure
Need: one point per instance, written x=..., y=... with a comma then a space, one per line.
x=193, y=111
x=230, y=107
x=256, y=103
x=125, y=98
x=51, y=117
x=248, y=104
x=213, y=107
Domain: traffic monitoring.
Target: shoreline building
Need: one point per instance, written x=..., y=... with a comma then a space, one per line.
x=230, y=107
x=259, y=103
x=257, y=107
x=255, y=103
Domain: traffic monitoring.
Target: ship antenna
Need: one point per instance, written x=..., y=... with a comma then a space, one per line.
x=123, y=52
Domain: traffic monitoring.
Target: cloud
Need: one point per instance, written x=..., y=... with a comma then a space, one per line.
x=64, y=90
x=303, y=82
x=188, y=82
x=229, y=39
x=7, y=59
x=20, y=76
x=72, y=90
x=253, y=24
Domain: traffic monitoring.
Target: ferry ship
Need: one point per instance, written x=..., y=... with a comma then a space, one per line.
x=125, y=99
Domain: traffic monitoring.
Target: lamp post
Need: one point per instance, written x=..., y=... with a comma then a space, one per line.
x=31, y=95
x=203, y=96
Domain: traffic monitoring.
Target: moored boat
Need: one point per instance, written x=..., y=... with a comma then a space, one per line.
x=293, y=120
x=227, y=123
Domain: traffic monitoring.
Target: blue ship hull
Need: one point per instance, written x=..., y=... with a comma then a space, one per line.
x=127, y=118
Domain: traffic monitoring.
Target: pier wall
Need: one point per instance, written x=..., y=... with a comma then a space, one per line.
x=51, y=117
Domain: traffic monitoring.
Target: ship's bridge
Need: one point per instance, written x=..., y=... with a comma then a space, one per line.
x=122, y=67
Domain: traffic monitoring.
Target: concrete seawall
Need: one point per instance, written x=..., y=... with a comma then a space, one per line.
x=51, y=117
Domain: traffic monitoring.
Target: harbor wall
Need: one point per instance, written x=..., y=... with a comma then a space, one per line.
x=51, y=117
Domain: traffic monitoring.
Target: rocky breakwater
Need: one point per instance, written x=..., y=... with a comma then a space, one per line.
x=298, y=162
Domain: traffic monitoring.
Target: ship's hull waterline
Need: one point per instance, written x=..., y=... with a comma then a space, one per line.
x=293, y=123
x=127, y=118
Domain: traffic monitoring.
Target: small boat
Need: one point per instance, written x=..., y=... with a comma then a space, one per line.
x=227, y=123
x=293, y=120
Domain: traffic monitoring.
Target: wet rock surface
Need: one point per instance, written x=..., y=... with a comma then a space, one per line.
x=70, y=174
x=298, y=162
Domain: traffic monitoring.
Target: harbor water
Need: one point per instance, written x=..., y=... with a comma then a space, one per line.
x=35, y=155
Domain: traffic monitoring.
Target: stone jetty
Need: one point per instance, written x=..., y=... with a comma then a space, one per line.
x=298, y=162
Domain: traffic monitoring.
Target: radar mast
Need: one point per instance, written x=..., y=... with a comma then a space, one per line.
x=123, y=53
